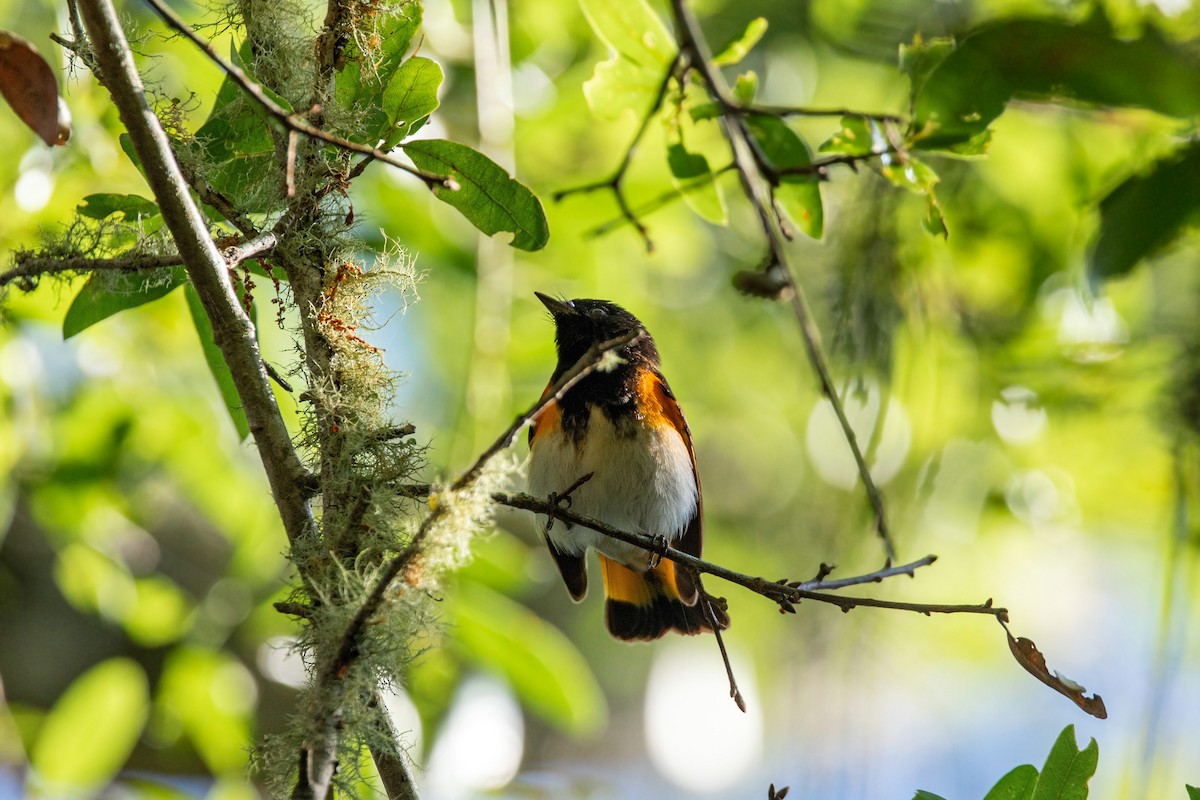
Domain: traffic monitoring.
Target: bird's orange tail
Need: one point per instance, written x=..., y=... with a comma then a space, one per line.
x=645, y=605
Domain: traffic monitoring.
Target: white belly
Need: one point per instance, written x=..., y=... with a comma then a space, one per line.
x=642, y=483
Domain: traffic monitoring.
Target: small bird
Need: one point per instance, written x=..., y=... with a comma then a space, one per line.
x=625, y=428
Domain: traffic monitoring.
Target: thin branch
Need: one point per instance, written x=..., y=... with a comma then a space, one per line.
x=707, y=600
x=233, y=332
x=290, y=120
x=749, y=164
x=390, y=762
x=30, y=266
x=780, y=591
x=394, y=432
x=805, y=111
x=236, y=254
x=613, y=182
x=664, y=199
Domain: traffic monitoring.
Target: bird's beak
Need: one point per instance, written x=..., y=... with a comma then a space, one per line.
x=555, y=306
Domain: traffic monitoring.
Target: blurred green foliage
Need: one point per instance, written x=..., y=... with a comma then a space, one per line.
x=1032, y=419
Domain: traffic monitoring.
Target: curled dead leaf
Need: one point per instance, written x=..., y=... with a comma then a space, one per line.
x=1029, y=657
x=27, y=82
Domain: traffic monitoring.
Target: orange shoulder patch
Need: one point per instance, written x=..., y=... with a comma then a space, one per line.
x=659, y=405
x=549, y=420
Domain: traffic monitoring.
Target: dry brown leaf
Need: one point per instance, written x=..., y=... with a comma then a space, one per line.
x=1029, y=657
x=28, y=84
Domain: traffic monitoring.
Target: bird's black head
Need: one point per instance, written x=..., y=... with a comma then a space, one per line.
x=581, y=323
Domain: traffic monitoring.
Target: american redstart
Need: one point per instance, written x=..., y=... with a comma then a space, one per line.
x=623, y=426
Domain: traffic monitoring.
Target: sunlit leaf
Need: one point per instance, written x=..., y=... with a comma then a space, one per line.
x=1146, y=213
x=544, y=668
x=104, y=295
x=28, y=83
x=1067, y=770
x=739, y=48
x=1029, y=657
x=745, y=89
x=702, y=196
x=370, y=61
x=703, y=111
x=643, y=50
x=131, y=207
x=924, y=795
x=907, y=172
x=1047, y=58
x=218, y=726
x=799, y=196
x=216, y=363
x=922, y=57
x=236, y=141
x=160, y=614
x=411, y=96
x=1017, y=784
x=857, y=136
x=491, y=200
x=91, y=730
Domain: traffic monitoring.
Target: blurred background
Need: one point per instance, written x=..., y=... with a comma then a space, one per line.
x=1031, y=434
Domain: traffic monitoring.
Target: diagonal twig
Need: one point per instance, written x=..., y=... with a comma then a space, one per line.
x=749, y=165
x=290, y=120
x=613, y=183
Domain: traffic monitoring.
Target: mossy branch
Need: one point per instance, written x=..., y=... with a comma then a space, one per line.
x=206, y=267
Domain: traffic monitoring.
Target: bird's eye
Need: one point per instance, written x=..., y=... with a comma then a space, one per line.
x=597, y=312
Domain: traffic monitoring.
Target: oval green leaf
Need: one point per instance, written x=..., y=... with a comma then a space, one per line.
x=88, y=735
x=105, y=295
x=1067, y=770
x=1052, y=59
x=1146, y=213
x=1017, y=784
x=487, y=196
x=798, y=195
x=411, y=96
x=643, y=50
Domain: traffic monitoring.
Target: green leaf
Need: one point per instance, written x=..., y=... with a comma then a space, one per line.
x=1193, y=792
x=910, y=173
x=131, y=207
x=919, y=59
x=692, y=176
x=642, y=51
x=1052, y=59
x=370, y=60
x=1067, y=770
x=216, y=363
x=1146, y=213
x=798, y=195
x=127, y=148
x=105, y=295
x=703, y=111
x=486, y=195
x=739, y=48
x=88, y=735
x=411, y=97
x=924, y=795
x=1017, y=784
x=857, y=136
x=236, y=141
x=547, y=672
x=746, y=87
